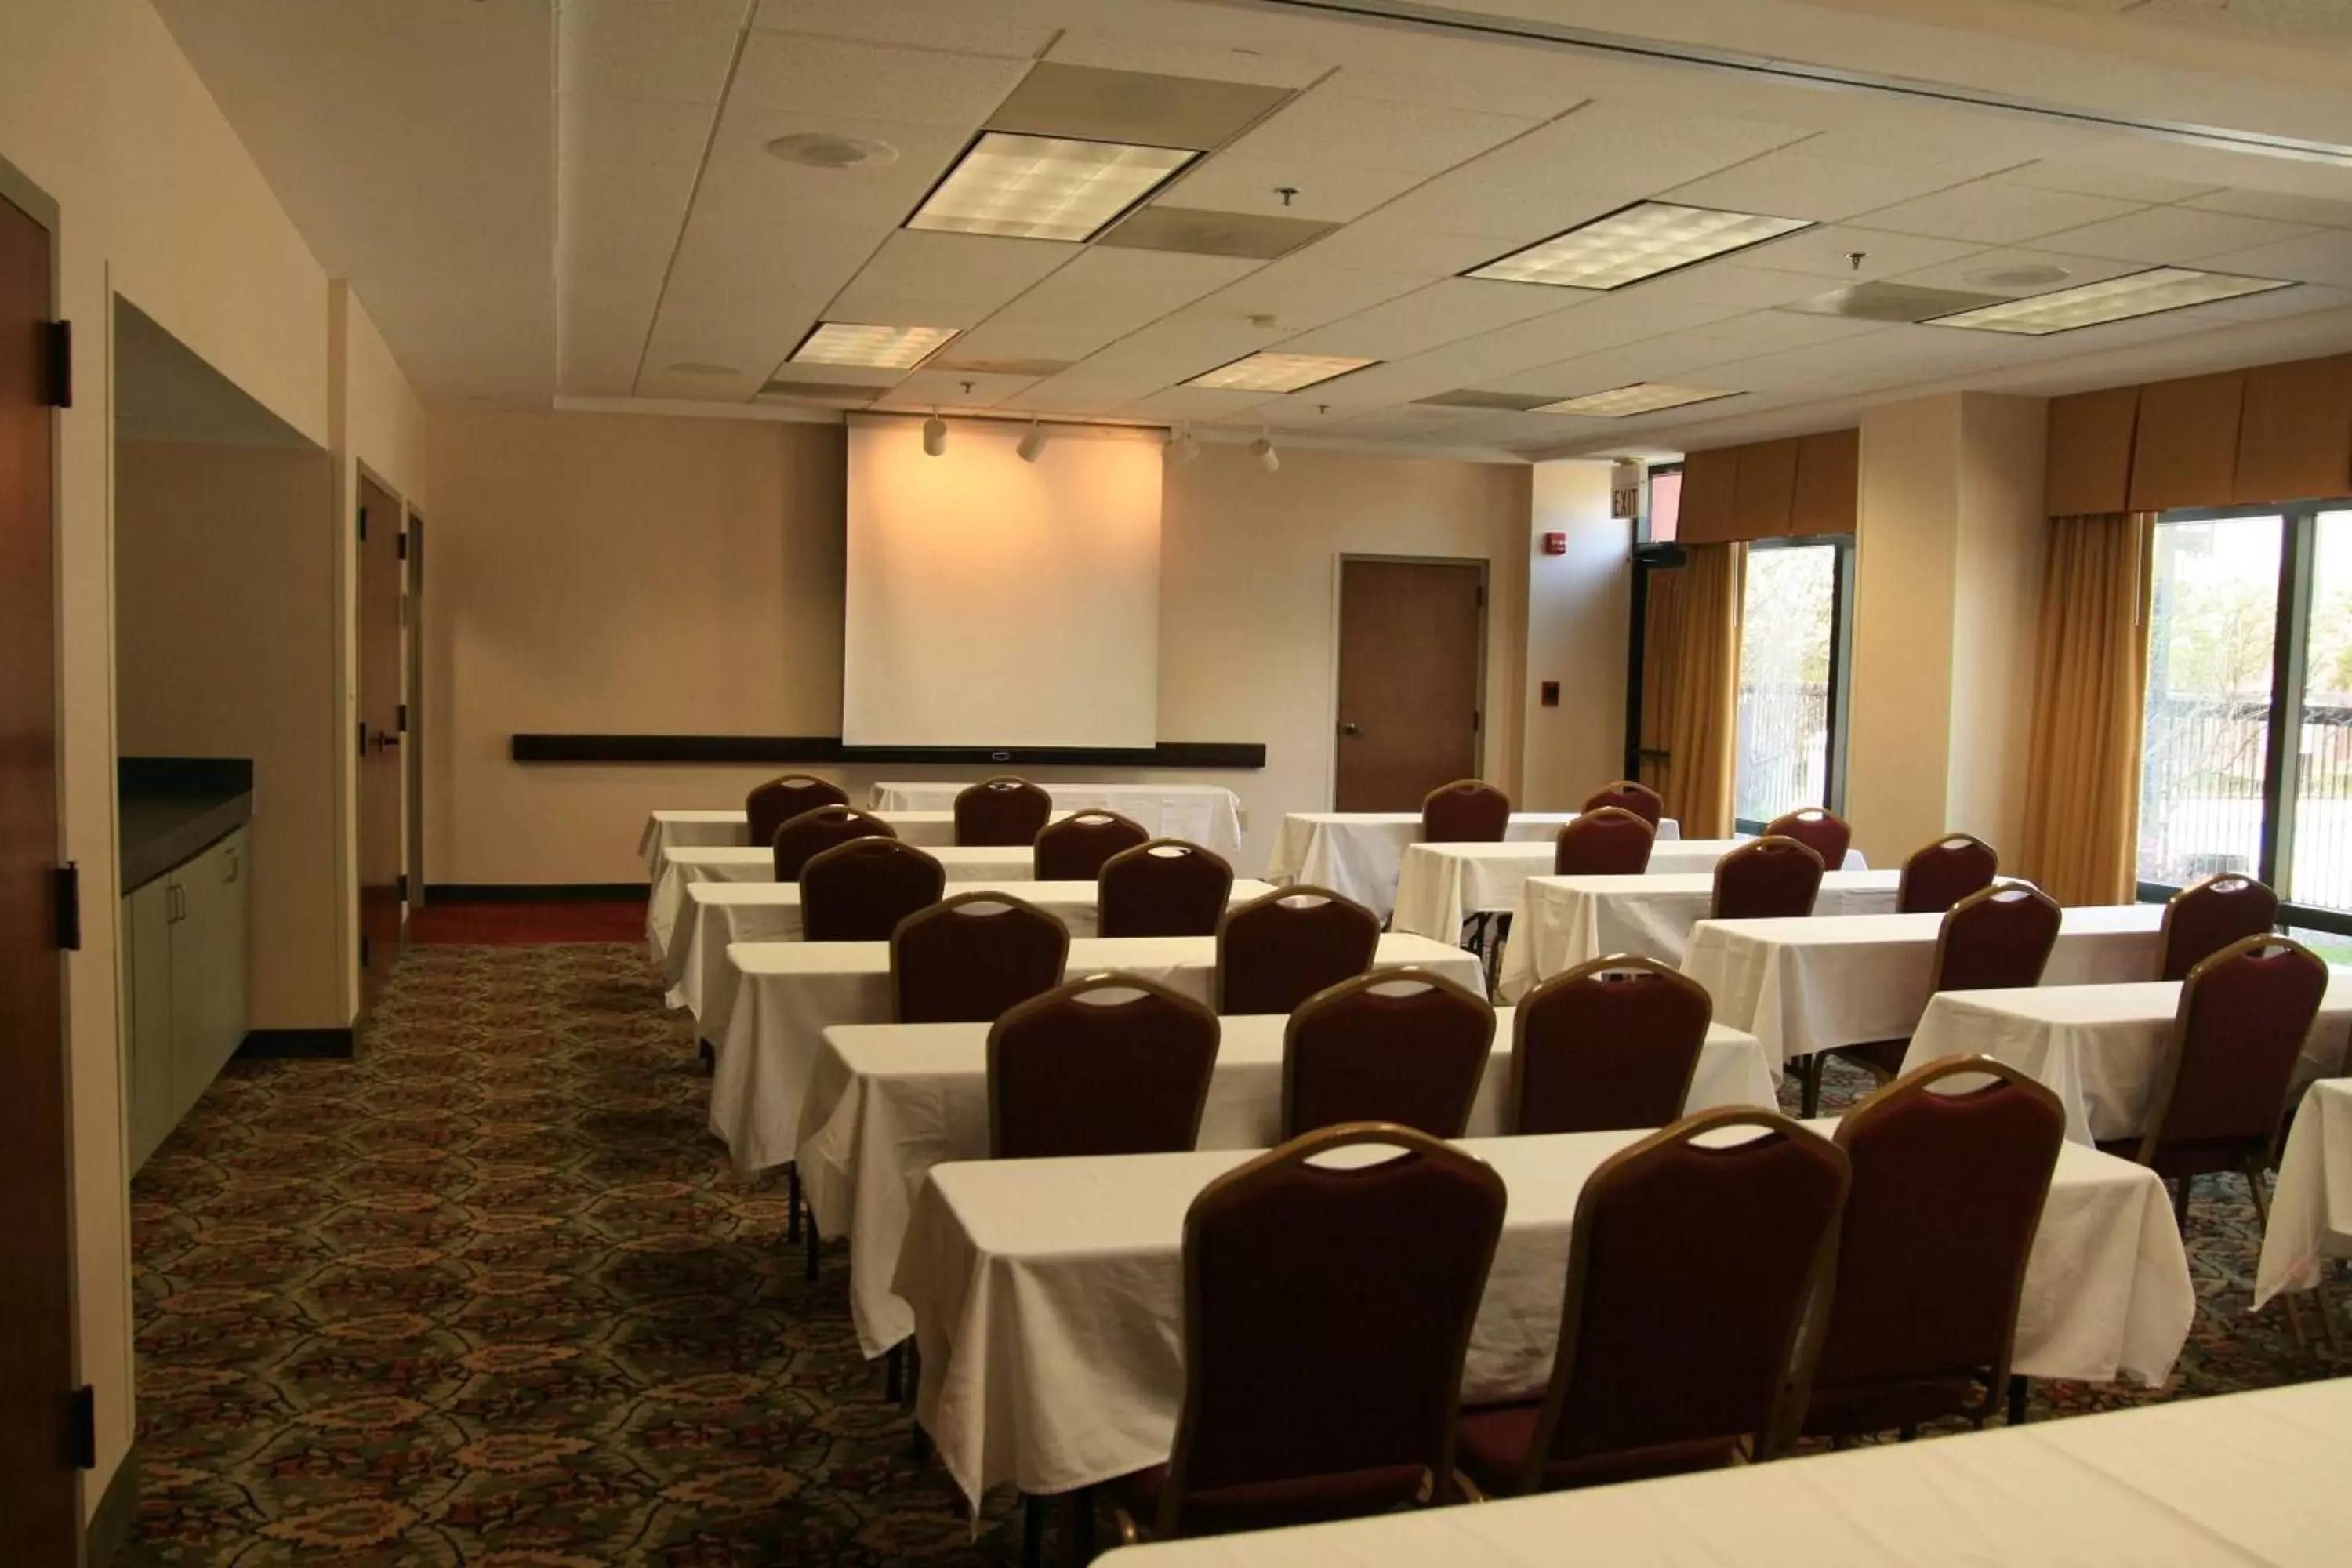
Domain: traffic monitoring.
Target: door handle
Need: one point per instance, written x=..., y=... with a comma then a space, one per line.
x=382, y=740
x=1352, y=728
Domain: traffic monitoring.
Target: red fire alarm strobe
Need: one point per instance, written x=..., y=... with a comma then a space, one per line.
x=1555, y=544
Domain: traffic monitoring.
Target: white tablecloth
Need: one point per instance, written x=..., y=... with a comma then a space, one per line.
x=1442, y=885
x=1046, y=1297
x=2311, y=1208
x=1562, y=921
x=2243, y=1480
x=669, y=830
x=717, y=914
x=1804, y=985
x=2099, y=1047
x=888, y=1102
x=1208, y=815
x=792, y=992
x=757, y=863
x=1360, y=853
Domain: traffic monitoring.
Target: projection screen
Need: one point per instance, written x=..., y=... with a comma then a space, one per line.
x=994, y=602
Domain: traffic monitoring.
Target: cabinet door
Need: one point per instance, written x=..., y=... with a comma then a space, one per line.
x=147, y=1031
x=208, y=968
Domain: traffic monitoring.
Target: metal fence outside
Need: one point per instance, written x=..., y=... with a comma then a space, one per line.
x=2201, y=795
x=1784, y=748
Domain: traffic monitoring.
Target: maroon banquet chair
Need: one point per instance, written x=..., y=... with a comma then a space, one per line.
x=1112, y=1064
x=781, y=799
x=1468, y=811
x=1638, y=798
x=1997, y=939
x=1611, y=1044
x=1948, y=1194
x=814, y=832
x=969, y=959
x=1400, y=1046
x=1327, y=1315
x=1825, y=833
x=1766, y=878
x=1165, y=887
x=1690, y=1268
x=860, y=890
x=1076, y=848
x=1276, y=951
x=2202, y=919
x=1608, y=841
x=1003, y=811
x=1941, y=874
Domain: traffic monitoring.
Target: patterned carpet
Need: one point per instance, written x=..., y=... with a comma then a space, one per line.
x=491, y=1295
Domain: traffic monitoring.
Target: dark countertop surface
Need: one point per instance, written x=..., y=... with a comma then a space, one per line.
x=173, y=808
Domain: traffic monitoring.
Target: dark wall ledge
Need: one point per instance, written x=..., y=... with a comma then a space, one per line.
x=806, y=748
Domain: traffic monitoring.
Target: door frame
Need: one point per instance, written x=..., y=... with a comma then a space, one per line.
x=43, y=209
x=412, y=730
x=361, y=475
x=1339, y=598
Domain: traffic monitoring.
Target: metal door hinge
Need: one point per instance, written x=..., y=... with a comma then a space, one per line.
x=400, y=887
x=1482, y=598
x=364, y=952
x=363, y=737
x=362, y=525
x=404, y=718
x=59, y=335
x=400, y=544
x=68, y=902
x=1477, y=720
x=81, y=1427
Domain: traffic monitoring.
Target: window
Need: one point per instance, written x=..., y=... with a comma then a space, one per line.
x=1791, y=623
x=2249, y=710
x=1665, y=504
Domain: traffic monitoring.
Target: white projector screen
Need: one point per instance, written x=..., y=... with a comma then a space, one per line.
x=998, y=603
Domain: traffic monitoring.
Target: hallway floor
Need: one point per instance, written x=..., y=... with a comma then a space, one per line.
x=491, y=1294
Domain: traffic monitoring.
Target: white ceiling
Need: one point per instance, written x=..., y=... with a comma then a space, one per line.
x=551, y=204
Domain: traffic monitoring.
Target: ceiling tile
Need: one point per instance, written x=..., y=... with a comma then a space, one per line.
x=1958, y=142
x=598, y=132
x=1324, y=125
x=2325, y=256
x=2322, y=210
x=1384, y=243
x=1333, y=192
x=784, y=74
x=917, y=264
x=1730, y=283
x=1632, y=149
x=2171, y=234
x=1112, y=292
x=2102, y=180
x=1172, y=58
x=946, y=389
x=1790, y=184
x=996, y=28
x=1193, y=403
x=1827, y=253
x=1300, y=293
x=2304, y=300
x=677, y=52
x=1995, y=213
x=1509, y=208
x=1513, y=87
x=1011, y=341
x=1978, y=270
x=1439, y=313
x=744, y=185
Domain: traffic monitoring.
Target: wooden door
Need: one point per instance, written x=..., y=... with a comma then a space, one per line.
x=379, y=735
x=40, y=1511
x=412, y=712
x=1411, y=643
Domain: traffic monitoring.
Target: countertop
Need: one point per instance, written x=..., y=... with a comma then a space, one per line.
x=173, y=808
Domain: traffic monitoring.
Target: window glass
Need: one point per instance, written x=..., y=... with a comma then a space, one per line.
x=1786, y=623
x=2321, y=870
x=1665, y=504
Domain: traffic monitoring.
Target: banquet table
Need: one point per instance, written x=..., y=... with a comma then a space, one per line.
x=2100, y=1048
x=669, y=830
x=2311, y=1206
x=887, y=1101
x=1562, y=921
x=792, y=992
x=1046, y=1296
x=1207, y=814
x=753, y=863
x=2239, y=1480
x=1442, y=885
x=717, y=914
x=1805, y=984
x=1360, y=853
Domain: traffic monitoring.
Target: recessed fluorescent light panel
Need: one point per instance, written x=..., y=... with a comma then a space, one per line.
x=1641, y=397
x=1044, y=187
x=2112, y=299
x=1636, y=242
x=1276, y=372
x=880, y=348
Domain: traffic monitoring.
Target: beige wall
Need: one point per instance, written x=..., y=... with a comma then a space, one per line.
x=612, y=574
x=225, y=598
x=1579, y=611
x=1948, y=555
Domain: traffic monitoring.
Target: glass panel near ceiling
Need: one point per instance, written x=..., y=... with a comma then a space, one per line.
x=1665, y=504
x=2320, y=870
x=1786, y=624
x=2213, y=622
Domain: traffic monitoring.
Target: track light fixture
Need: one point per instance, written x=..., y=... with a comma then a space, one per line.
x=1263, y=450
x=1033, y=443
x=935, y=434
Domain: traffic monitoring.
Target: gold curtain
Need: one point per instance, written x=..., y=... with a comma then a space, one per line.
x=2082, y=792
x=1690, y=685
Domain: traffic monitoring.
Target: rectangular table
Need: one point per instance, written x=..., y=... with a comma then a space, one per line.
x=792, y=992
x=2100, y=1048
x=1442, y=885
x=731, y=828
x=1207, y=814
x=888, y=1102
x=1046, y=1296
x=1562, y=921
x=1804, y=985
x=751, y=863
x=2311, y=1208
x=1360, y=853
x=717, y=914
x=2241, y=1481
